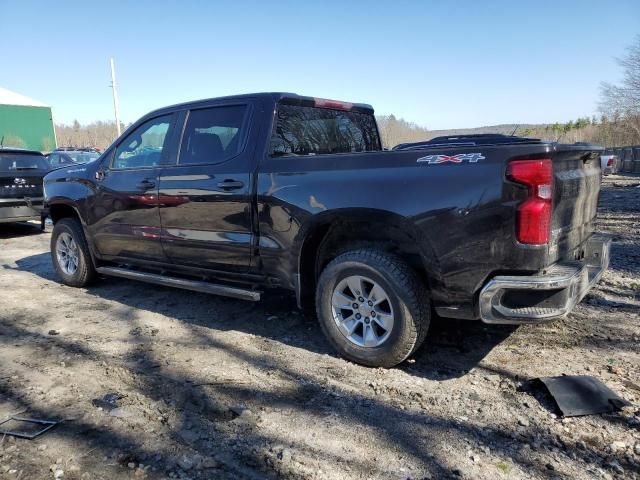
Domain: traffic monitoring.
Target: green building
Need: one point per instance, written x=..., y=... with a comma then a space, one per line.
x=25, y=123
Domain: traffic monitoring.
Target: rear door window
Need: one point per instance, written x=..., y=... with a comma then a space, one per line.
x=302, y=130
x=213, y=135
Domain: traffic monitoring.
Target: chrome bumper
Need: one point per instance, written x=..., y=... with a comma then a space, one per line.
x=547, y=296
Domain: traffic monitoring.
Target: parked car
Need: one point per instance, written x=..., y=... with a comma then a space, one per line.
x=609, y=163
x=81, y=149
x=236, y=195
x=61, y=158
x=21, y=174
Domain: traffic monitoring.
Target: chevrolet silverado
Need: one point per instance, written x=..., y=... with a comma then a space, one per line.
x=239, y=195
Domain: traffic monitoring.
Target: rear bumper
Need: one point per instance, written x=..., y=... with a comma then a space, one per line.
x=21, y=209
x=36, y=218
x=547, y=296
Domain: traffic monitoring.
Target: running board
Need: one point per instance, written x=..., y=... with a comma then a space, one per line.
x=195, y=285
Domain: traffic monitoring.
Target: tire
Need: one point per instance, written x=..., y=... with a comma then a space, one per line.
x=407, y=302
x=84, y=272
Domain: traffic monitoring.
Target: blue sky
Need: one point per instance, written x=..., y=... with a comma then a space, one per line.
x=441, y=64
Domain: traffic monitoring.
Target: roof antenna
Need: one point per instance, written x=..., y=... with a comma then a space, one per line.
x=514, y=130
x=2, y=142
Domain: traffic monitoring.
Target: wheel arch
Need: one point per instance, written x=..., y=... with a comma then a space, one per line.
x=63, y=209
x=330, y=235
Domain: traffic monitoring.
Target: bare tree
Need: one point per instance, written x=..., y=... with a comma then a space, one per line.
x=97, y=134
x=395, y=130
x=621, y=103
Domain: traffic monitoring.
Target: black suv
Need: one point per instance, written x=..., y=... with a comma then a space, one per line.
x=21, y=174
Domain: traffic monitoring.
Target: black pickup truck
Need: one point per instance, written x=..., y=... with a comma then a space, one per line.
x=238, y=195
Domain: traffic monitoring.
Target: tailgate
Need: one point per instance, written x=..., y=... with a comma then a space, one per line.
x=577, y=176
x=14, y=185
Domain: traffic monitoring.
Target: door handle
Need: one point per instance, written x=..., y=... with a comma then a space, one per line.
x=146, y=184
x=230, y=185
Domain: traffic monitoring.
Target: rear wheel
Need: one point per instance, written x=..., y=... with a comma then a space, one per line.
x=372, y=307
x=70, y=253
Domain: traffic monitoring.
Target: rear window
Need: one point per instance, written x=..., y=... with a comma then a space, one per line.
x=12, y=162
x=313, y=131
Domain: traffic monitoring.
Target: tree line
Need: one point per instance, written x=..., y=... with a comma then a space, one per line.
x=96, y=134
x=605, y=131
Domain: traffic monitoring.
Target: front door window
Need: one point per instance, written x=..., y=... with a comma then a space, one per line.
x=144, y=147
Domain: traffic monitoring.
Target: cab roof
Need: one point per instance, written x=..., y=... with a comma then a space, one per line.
x=276, y=97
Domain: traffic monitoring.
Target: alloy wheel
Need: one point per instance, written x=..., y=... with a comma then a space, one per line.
x=67, y=253
x=362, y=311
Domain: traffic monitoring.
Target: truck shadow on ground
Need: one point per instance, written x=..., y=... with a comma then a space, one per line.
x=13, y=230
x=452, y=348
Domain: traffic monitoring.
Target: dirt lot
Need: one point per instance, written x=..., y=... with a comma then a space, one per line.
x=208, y=387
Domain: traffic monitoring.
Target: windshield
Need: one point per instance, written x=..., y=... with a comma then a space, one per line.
x=15, y=162
x=82, y=157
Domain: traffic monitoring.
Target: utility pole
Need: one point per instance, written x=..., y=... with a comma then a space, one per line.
x=116, y=109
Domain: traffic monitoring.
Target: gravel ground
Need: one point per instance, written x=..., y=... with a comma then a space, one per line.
x=153, y=382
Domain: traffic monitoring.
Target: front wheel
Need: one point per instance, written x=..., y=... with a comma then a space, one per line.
x=70, y=253
x=372, y=307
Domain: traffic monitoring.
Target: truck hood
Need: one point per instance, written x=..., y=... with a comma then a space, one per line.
x=84, y=170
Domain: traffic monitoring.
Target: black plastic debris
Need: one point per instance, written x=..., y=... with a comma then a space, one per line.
x=108, y=402
x=28, y=428
x=577, y=395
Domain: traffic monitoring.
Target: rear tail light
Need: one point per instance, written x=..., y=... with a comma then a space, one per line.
x=533, y=223
x=610, y=162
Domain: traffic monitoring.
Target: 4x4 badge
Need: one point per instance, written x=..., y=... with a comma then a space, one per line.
x=461, y=157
